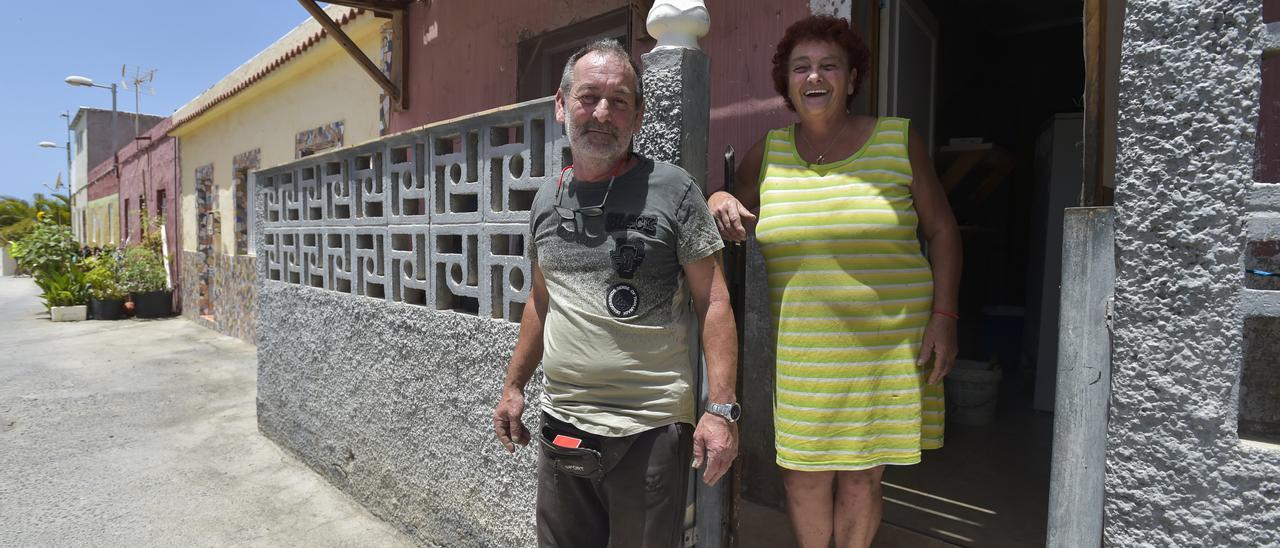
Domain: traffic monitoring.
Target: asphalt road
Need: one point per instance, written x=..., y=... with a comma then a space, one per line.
x=144, y=433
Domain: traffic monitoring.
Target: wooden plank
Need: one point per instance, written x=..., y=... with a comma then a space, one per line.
x=1094, y=11
x=399, y=55
x=389, y=6
x=352, y=49
x=1076, y=477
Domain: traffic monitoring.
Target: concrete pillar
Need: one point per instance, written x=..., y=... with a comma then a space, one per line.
x=1178, y=473
x=677, y=88
x=8, y=266
x=1084, y=378
x=677, y=116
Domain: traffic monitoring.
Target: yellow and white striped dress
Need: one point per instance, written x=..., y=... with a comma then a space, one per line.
x=851, y=296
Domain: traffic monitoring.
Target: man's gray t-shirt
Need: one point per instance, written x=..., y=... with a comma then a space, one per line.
x=615, y=340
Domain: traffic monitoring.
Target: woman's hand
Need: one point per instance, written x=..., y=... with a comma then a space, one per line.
x=731, y=216
x=939, y=344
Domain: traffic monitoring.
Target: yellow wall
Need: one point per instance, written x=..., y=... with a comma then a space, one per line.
x=321, y=86
x=102, y=221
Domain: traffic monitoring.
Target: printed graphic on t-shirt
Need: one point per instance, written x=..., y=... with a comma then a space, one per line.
x=622, y=300
x=647, y=224
x=615, y=338
x=627, y=255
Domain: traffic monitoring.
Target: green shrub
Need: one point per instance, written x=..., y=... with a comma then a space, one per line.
x=65, y=288
x=142, y=271
x=102, y=273
x=48, y=249
x=151, y=233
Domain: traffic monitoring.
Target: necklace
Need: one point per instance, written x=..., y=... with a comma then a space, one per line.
x=830, y=143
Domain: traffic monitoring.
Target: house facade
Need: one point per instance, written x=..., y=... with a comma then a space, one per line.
x=391, y=272
x=92, y=134
x=298, y=97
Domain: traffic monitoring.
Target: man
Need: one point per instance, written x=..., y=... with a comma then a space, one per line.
x=618, y=245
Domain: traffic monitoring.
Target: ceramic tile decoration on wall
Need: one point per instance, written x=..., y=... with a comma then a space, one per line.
x=232, y=293
x=317, y=139
x=207, y=235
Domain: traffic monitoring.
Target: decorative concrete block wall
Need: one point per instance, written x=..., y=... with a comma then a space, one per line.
x=1179, y=472
x=392, y=275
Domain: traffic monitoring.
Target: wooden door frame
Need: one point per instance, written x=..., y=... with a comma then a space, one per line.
x=1103, y=34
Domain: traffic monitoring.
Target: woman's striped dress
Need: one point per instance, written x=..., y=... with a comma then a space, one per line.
x=851, y=296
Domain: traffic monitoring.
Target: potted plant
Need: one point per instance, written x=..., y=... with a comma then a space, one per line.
x=65, y=294
x=106, y=294
x=48, y=252
x=142, y=274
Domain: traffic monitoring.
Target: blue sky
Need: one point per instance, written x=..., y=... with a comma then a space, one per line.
x=191, y=45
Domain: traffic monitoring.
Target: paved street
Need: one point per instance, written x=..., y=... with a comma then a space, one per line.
x=143, y=433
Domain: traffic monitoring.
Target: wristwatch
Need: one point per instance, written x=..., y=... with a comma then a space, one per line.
x=730, y=411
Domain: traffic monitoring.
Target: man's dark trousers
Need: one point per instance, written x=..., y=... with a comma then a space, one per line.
x=634, y=497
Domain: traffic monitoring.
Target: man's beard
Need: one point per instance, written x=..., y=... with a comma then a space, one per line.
x=581, y=143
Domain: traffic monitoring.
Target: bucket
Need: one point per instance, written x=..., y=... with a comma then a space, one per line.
x=972, y=388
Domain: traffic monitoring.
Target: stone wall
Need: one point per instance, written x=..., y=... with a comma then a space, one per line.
x=393, y=403
x=232, y=295
x=1178, y=472
x=392, y=275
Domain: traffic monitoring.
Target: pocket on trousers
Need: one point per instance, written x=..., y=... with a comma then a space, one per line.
x=580, y=462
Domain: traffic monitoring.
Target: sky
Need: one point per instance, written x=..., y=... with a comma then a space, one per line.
x=191, y=45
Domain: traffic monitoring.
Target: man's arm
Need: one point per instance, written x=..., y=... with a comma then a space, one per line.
x=732, y=212
x=715, y=441
x=524, y=361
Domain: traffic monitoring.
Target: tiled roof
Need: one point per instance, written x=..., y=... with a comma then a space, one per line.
x=293, y=44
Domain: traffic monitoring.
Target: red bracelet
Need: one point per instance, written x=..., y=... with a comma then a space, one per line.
x=951, y=315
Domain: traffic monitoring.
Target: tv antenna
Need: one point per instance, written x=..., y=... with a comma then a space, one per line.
x=141, y=81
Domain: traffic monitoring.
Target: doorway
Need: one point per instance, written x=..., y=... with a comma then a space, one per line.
x=997, y=88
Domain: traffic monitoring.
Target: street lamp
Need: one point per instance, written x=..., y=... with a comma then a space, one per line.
x=81, y=81
x=51, y=144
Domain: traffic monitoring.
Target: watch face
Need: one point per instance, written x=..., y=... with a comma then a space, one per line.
x=731, y=411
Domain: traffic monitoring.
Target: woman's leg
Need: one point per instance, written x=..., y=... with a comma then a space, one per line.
x=810, y=496
x=858, y=507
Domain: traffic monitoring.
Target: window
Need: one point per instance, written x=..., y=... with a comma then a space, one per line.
x=542, y=57
x=242, y=212
x=160, y=204
x=125, y=216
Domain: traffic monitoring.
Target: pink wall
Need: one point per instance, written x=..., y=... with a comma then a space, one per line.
x=457, y=68
x=1267, y=169
x=463, y=55
x=147, y=165
x=743, y=103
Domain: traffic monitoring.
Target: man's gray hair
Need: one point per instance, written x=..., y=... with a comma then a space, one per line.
x=607, y=47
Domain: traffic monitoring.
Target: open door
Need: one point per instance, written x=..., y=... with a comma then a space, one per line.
x=908, y=64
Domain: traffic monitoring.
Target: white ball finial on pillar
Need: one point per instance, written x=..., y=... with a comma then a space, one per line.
x=678, y=23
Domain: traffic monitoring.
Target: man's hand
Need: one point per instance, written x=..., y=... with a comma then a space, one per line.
x=715, y=442
x=940, y=344
x=506, y=420
x=731, y=216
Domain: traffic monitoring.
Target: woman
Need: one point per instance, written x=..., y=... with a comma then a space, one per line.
x=866, y=325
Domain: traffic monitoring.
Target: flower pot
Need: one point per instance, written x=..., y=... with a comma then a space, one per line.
x=109, y=309
x=153, y=304
x=68, y=313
